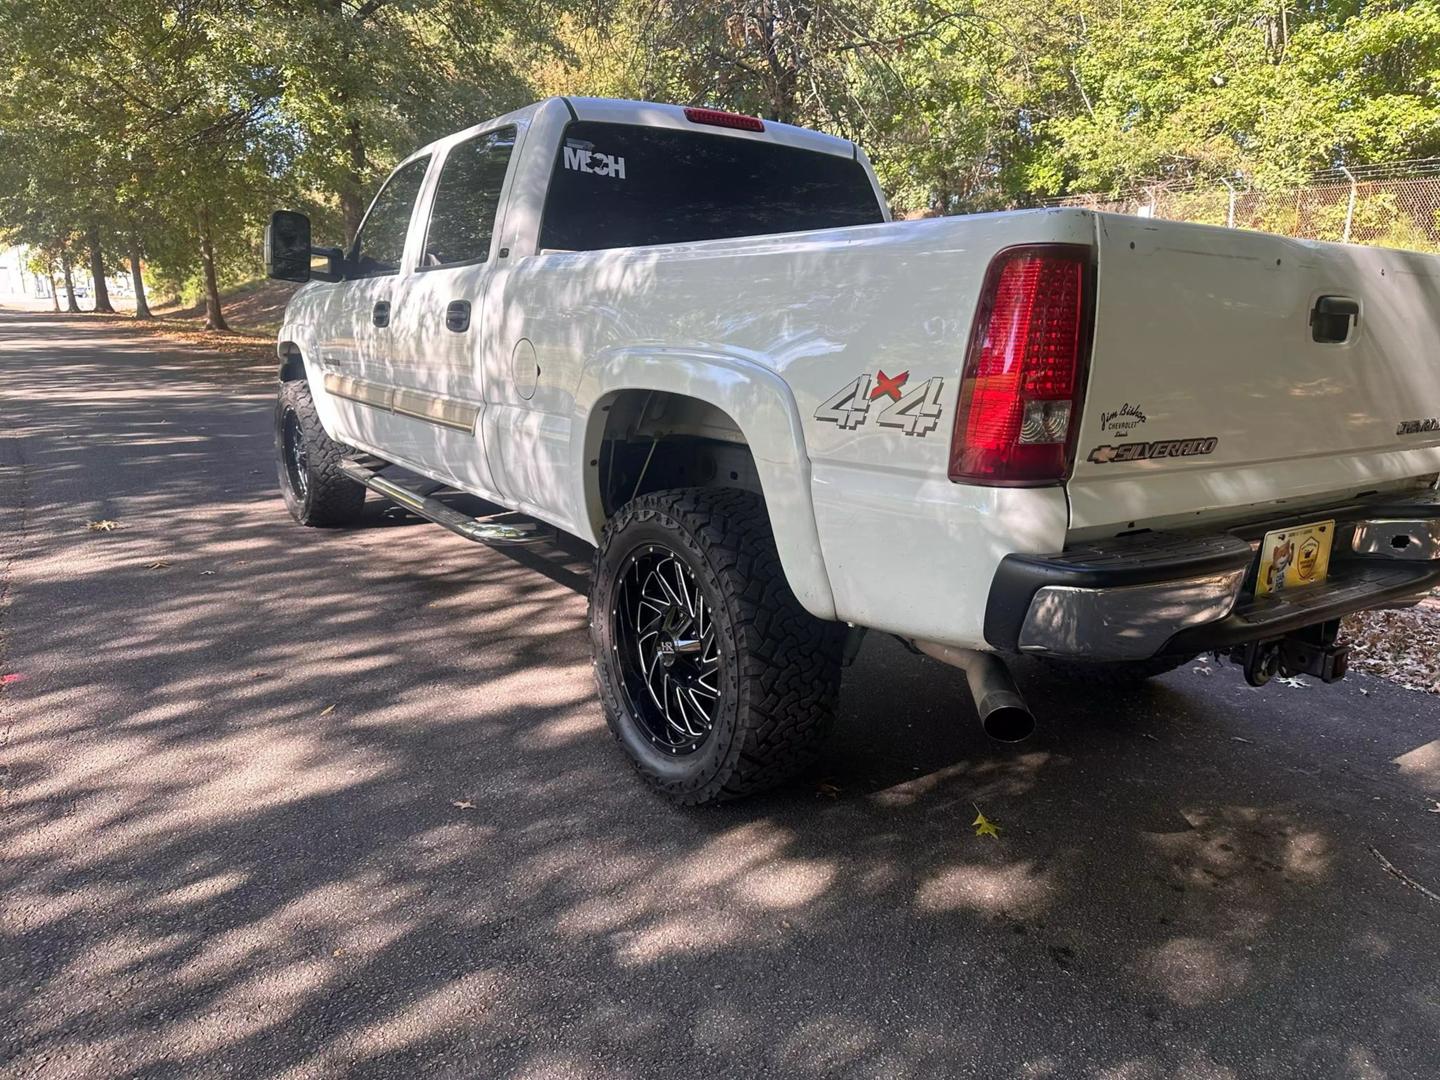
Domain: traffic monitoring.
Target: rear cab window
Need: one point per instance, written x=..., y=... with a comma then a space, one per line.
x=624, y=185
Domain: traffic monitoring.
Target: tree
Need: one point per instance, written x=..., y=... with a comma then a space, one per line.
x=367, y=81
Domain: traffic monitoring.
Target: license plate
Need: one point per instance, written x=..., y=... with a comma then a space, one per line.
x=1294, y=558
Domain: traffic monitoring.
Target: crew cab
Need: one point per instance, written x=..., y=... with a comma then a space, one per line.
x=697, y=341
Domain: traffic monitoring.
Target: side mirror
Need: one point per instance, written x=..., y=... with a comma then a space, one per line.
x=287, y=246
x=288, y=254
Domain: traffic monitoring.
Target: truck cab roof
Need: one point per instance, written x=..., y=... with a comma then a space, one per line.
x=646, y=114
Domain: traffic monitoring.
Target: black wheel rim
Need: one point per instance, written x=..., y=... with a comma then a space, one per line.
x=296, y=460
x=667, y=650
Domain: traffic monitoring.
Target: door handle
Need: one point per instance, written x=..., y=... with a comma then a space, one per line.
x=1331, y=317
x=457, y=316
x=381, y=315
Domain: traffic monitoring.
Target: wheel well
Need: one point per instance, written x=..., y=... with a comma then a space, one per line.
x=654, y=440
x=292, y=365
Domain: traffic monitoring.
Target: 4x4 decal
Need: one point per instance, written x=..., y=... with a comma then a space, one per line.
x=916, y=412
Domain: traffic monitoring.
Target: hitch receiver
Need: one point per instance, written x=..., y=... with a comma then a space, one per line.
x=1311, y=651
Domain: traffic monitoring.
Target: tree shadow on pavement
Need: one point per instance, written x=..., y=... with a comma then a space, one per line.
x=288, y=802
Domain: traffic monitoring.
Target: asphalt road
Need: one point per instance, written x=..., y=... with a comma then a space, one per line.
x=291, y=803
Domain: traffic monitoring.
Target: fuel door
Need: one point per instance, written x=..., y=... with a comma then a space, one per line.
x=524, y=368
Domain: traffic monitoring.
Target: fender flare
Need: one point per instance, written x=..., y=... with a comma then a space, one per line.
x=296, y=361
x=760, y=404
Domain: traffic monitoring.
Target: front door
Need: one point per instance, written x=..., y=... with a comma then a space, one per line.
x=363, y=369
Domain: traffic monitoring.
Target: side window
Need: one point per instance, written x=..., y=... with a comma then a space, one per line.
x=467, y=199
x=380, y=244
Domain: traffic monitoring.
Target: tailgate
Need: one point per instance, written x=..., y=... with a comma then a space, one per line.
x=1209, y=396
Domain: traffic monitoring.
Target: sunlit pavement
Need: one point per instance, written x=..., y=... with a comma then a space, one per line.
x=290, y=803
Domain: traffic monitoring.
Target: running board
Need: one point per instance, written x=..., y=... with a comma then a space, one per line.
x=432, y=509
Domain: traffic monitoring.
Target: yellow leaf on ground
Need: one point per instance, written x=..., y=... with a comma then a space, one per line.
x=158, y=564
x=103, y=525
x=984, y=826
x=327, y=710
x=462, y=804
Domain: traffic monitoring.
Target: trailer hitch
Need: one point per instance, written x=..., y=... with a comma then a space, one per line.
x=1311, y=651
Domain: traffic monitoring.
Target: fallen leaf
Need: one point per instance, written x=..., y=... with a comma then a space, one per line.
x=328, y=710
x=829, y=790
x=1293, y=681
x=1434, y=807
x=1237, y=738
x=158, y=564
x=462, y=804
x=103, y=525
x=1201, y=670
x=984, y=826
x=338, y=952
x=14, y=677
x=207, y=573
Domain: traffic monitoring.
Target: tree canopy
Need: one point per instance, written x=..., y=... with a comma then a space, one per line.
x=164, y=132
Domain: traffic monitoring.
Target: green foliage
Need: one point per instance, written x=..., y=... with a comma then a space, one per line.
x=157, y=124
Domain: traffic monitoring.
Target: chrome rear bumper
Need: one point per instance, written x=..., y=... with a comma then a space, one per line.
x=1153, y=594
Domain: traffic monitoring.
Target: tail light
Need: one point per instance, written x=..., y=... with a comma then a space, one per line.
x=720, y=118
x=1024, y=375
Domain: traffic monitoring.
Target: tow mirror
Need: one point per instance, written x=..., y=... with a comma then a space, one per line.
x=289, y=255
x=287, y=246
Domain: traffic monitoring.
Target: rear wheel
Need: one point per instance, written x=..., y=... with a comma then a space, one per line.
x=316, y=491
x=714, y=679
x=1117, y=672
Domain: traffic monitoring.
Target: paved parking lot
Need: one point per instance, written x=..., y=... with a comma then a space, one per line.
x=288, y=803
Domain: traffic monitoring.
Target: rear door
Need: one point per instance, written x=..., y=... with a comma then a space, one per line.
x=440, y=311
x=1234, y=369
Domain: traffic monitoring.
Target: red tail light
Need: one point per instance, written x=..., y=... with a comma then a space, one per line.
x=1024, y=376
x=720, y=118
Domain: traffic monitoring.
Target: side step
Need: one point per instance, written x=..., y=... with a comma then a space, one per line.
x=425, y=505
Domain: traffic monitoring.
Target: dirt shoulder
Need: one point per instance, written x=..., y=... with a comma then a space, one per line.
x=186, y=330
x=1402, y=646
x=253, y=311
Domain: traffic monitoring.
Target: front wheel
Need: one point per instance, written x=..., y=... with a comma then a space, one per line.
x=316, y=491
x=714, y=679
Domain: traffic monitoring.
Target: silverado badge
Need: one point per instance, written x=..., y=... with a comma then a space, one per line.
x=1141, y=451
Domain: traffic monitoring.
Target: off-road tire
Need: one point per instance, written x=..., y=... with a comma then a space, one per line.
x=1118, y=673
x=779, y=669
x=327, y=498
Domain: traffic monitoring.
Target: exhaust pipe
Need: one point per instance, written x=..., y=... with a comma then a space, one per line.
x=1003, y=712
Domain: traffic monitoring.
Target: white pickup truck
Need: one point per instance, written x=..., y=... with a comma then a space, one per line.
x=697, y=341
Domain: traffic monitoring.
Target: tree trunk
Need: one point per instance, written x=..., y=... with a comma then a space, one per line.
x=97, y=272
x=54, y=290
x=352, y=198
x=70, y=304
x=142, y=309
x=214, y=317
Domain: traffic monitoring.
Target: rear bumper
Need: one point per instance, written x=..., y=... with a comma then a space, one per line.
x=1150, y=595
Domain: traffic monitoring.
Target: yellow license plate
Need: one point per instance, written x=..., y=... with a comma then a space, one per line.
x=1294, y=558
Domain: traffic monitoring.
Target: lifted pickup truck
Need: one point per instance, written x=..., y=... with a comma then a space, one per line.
x=697, y=341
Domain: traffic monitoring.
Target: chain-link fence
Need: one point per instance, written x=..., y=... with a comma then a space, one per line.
x=1396, y=205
